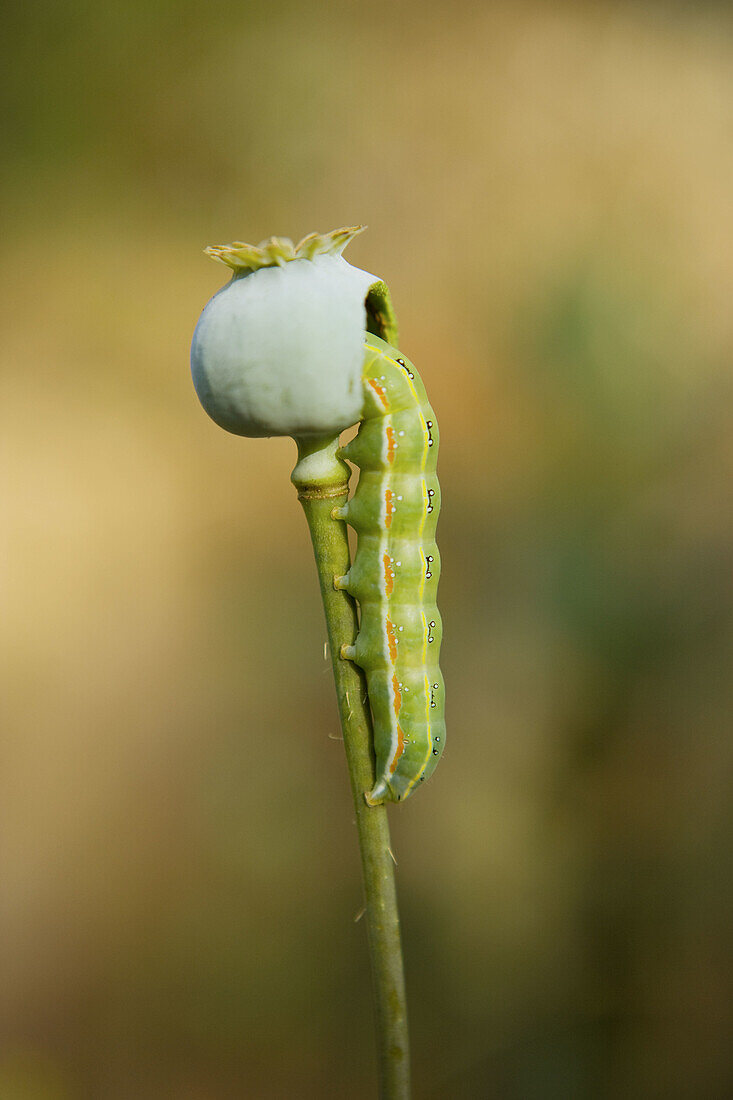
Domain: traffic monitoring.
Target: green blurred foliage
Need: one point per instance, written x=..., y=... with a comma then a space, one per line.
x=548, y=193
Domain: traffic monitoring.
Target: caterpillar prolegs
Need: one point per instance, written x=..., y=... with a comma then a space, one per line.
x=395, y=573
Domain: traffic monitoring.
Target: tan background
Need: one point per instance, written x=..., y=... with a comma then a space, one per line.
x=548, y=192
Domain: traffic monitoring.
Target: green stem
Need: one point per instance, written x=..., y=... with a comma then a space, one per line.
x=322, y=483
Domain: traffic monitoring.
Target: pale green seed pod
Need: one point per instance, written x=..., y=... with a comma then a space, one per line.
x=279, y=350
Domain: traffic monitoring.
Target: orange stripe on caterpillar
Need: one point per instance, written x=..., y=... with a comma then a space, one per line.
x=388, y=507
x=398, y=751
x=391, y=443
x=391, y=639
x=388, y=575
x=397, y=695
x=380, y=392
x=400, y=735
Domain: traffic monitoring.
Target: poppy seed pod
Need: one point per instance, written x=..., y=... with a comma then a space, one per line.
x=279, y=349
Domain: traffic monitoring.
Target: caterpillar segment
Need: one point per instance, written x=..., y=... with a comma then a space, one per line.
x=395, y=573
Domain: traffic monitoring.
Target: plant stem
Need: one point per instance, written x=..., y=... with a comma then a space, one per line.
x=322, y=483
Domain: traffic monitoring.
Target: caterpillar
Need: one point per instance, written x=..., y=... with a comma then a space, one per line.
x=394, y=576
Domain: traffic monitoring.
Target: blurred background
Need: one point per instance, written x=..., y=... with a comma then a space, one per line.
x=548, y=192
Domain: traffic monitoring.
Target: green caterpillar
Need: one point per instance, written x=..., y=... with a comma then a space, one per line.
x=395, y=573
